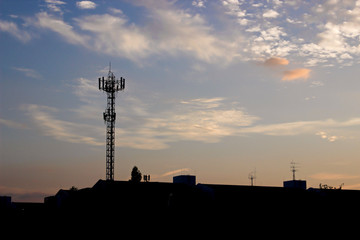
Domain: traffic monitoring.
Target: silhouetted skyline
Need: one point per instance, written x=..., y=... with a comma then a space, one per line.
x=214, y=88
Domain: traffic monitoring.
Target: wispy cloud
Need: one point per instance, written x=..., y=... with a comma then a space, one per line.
x=186, y=121
x=142, y=126
x=300, y=127
x=314, y=37
x=55, y=5
x=202, y=119
x=165, y=175
x=12, y=29
x=204, y=102
x=29, y=72
x=168, y=31
x=13, y=124
x=43, y=118
x=57, y=24
x=146, y=129
x=177, y=171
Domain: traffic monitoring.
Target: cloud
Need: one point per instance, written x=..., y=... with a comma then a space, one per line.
x=176, y=32
x=328, y=36
x=204, y=102
x=326, y=136
x=141, y=125
x=295, y=74
x=29, y=72
x=164, y=175
x=205, y=120
x=331, y=38
x=202, y=120
x=315, y=84
x=288, y=75
x=299, y=127
x=86, y=5
x=199, y=3
x=269, y=41
x=13, y=124
x=317, y=36
x=177, y=171
x=270, y=14
x=338, y=34
x=54, y=5
x=55, y=24
x=12, y=29
x=43, y=117
x=276, y=61
x=190, y=34
x=272, y=34
x=167, y=31
x=114, y=36
x=234, y=8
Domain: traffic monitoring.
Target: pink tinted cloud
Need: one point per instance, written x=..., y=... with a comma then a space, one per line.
x=275, y=61
x=295, y=74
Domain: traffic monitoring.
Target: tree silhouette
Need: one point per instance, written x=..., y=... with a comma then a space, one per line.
x=135, y=175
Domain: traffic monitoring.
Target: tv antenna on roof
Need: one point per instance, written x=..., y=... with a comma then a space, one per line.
x=293, y=168
x=252, y=176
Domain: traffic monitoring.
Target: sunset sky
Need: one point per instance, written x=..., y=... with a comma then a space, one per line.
x=217, y=89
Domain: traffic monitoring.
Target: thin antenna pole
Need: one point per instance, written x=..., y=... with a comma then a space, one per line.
x=293, y=169
x=252, y=177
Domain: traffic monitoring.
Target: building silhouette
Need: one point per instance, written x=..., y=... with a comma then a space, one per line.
x=182, y=206
x=187, y=198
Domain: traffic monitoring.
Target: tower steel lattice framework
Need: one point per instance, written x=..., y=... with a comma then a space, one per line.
x=110, y=85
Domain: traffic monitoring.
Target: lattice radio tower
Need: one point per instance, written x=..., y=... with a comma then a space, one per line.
x=110, y=85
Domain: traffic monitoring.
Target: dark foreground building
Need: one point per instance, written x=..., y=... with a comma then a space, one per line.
x=176, y=200
x=186, y=206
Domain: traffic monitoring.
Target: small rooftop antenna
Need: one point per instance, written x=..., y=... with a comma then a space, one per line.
x=252, y=176
x=293, y=169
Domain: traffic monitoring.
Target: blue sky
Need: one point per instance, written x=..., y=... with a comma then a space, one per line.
x=213, y=88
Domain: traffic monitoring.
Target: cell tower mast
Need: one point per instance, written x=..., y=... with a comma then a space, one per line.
x=110, y=85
